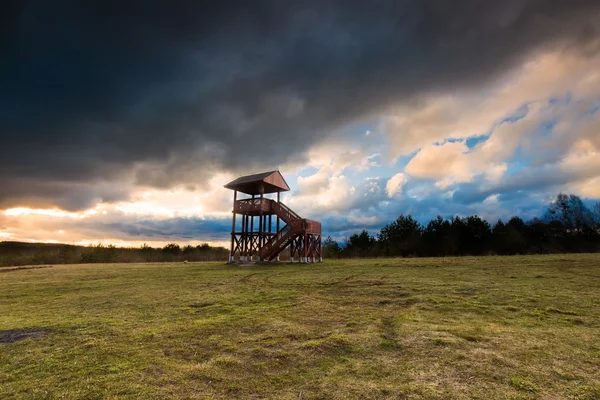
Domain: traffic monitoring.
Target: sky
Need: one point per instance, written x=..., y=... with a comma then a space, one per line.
x=121, y=122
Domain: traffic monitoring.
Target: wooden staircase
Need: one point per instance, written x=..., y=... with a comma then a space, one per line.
x=295, y=226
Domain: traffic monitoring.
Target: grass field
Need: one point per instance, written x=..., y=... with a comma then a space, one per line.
x=452, y=328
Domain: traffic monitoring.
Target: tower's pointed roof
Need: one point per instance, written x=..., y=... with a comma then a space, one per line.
x=265, y=182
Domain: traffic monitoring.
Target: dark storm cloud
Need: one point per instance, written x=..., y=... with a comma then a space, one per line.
x=158, y=93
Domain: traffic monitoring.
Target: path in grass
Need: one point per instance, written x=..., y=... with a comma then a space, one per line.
x=454, y=328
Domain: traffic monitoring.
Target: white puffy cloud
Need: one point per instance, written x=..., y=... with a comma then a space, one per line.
x=333, y=194
x=394, y=185
x=332, y=188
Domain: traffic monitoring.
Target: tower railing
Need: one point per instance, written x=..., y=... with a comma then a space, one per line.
x=252, y=205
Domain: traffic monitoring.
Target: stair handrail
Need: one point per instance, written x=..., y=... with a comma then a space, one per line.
x=285, y=213
x=289, y=210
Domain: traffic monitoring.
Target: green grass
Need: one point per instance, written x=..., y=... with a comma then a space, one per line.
x=451, y=328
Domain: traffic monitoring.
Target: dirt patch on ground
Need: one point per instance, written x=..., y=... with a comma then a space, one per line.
x=11, y=269
x=14, y=335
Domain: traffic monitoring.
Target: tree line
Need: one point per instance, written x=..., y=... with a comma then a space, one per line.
x=567, y=226
x=18, y=253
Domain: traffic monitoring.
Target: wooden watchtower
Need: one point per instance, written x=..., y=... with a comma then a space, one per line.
x=267, y=226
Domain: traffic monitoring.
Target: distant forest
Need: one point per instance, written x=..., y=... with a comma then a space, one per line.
x=18, y=253
x=567, y=226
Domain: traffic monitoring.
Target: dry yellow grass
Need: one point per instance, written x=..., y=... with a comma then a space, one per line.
x=454, y=328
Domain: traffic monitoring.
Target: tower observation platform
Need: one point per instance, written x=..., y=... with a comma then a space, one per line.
x=267, y=226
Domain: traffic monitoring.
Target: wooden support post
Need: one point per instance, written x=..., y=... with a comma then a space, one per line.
x=318, y=254
x=231, y=255
x=241, y=242
x=251, y=237
x=247, y=235
x=260, y=234
x=277, y=223
x=261, y=224
x=244, y=237
x=277, y=230
x=305, y=247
